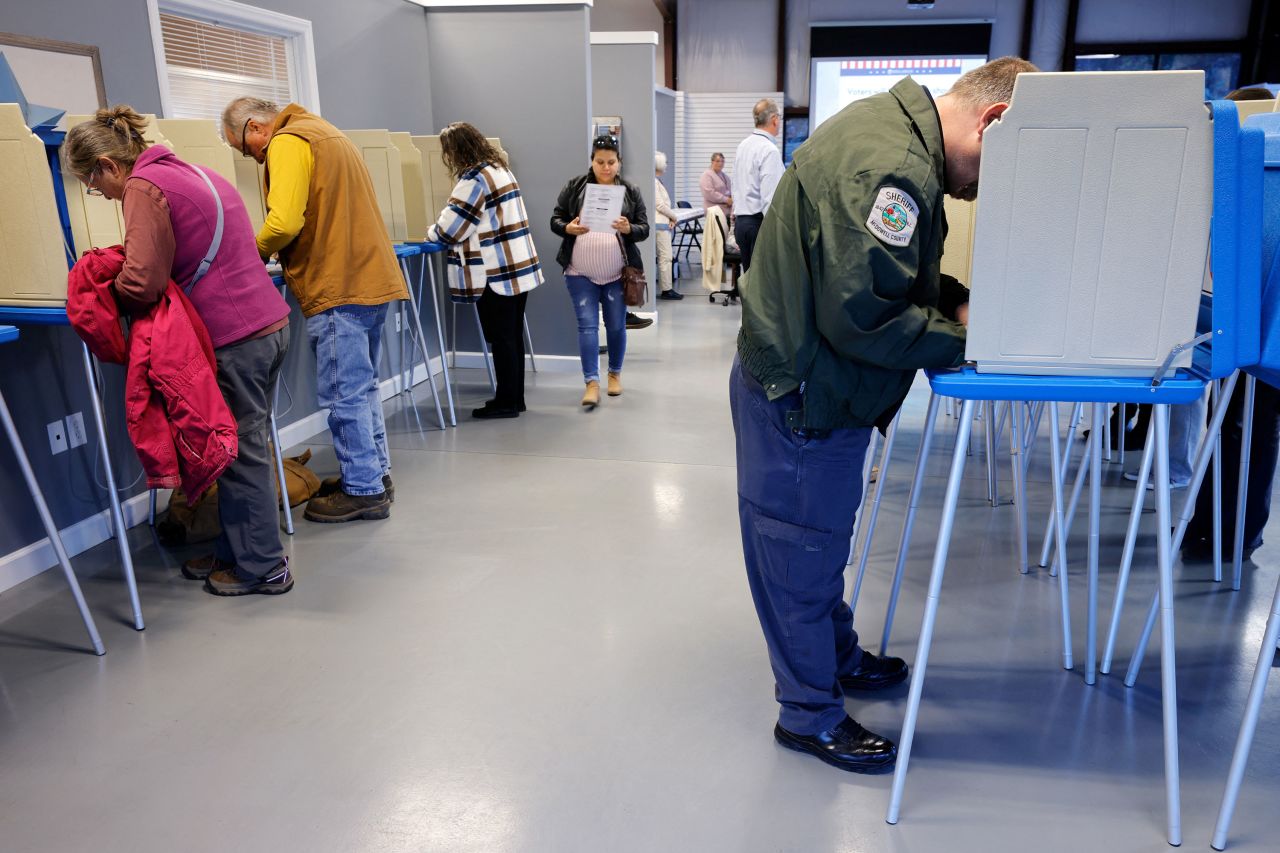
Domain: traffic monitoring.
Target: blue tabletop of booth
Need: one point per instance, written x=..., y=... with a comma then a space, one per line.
x=8, y=333
x=966, y=383
x=22, y=316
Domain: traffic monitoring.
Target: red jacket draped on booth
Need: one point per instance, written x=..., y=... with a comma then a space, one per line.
x=180, y=424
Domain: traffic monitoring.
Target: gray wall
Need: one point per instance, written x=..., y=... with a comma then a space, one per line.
x=530, y=85
x=665, y=109
x=622, y=85
x=634, y=16
x=372, y=67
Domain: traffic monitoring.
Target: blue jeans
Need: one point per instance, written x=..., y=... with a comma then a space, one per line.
x=588, y=300
x=1184, y=437
x=797, y=496
x=347, y=342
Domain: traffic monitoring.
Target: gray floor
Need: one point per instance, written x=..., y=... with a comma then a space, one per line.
x=550, y=647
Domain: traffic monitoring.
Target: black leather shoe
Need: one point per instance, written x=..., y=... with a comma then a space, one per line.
x=489, y=412
x=848, y=746
x=635, y=321
x=488, y=404
x=671, y=294
x=875, y=673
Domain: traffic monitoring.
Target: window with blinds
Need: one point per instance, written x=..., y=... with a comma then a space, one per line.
x=208, y=65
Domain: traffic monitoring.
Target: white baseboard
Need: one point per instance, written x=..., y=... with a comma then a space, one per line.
x=29, y=561
x=549, y=363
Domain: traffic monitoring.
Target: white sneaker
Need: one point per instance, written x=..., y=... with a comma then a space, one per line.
x=1132, y=477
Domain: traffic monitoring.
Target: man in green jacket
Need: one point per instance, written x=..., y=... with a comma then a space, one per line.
x=843, y=303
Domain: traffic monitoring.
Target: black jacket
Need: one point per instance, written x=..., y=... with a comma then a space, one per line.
x=569, y=205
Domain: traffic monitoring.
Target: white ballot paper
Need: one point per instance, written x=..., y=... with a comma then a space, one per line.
x=601, y=206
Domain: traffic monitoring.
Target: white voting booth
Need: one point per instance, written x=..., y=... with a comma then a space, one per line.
x=33, y=263
x=382, y=158
x=197, y=141
x=1090, y=246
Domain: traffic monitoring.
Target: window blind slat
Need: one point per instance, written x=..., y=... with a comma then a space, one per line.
x=208, y=65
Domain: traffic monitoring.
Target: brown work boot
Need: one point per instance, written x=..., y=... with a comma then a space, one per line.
x=615, y=384
x=199, y=568
x=591, y=397
x=329, y=485
x=341, y=506
x=236, y=581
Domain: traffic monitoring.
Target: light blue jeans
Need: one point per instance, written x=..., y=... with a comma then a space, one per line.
x=588, y=300
x=347, y=342
x=1184, y=435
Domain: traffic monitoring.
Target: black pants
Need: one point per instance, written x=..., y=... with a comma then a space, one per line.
x=247, y=501
x=502, y=318
x=745, y=228
x=1262, y=469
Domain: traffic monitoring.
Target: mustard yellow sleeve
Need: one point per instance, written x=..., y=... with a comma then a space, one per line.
x=290, y=163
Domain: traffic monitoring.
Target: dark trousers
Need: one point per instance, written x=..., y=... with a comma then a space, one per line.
x=502, y=318
x=1262, y=469
x=797, y=496
x=745, y=229
x=247, y=501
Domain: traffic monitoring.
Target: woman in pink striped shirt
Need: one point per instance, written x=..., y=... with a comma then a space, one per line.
x=593, y=262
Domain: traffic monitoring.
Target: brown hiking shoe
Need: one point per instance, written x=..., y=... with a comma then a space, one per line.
x=329, y=485
x=199, y=568
x=236, y=581
x=341, y=506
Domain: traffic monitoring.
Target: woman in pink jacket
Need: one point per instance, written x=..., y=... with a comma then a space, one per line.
x=190, y=226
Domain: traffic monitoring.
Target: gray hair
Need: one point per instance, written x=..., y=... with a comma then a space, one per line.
x=764, y=111
x=659, y=161
x=244, y=109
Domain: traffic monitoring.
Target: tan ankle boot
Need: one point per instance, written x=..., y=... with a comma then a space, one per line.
x=615, y=385
x=591, y=397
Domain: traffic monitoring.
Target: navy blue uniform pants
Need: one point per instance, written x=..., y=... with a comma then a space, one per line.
x=797, y=497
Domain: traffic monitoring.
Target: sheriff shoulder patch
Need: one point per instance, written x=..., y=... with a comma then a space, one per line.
x=893, y=216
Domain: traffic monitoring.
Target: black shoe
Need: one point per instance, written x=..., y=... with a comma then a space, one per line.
x=236, y=581
x=671, y=294
x=875, y=673
x=1200, y=550
x=494, y=402
x=489, y=411
x=848, y=746
x=329, y=485
x=637, y=322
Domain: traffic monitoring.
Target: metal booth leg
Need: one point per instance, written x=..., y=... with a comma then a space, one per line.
x=484, y=348
x=1168, y=650
x=913, y=504
x=117, y=516
x=435, y=311
x=1086, y=465
x=1095, y=542
x=421, y=338
x=1066, y=461
x=1249, y=724
x=1242, y=488
x=1016, y=452
x=275, y=443
x=50, y=528
x=1057, y=474
x=860, y=516
x=528, y=345
x=930, y=614
x=875, y=511
x=1130, y=542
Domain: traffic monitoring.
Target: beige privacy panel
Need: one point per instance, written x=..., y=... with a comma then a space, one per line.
x=415, y=195
x=1089, y=246
x=249, y=182
x=439, y=181
x=97, y=222
x=197, y=141
x=33, y=263
x=1251, y=108
x=382, y=158
x=958, y=248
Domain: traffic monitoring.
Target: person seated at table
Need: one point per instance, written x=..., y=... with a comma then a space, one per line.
x=665, y=221
x=324, y=222
x=593, y=262
x=492, y=258
x=171, y=210
x=715, y=187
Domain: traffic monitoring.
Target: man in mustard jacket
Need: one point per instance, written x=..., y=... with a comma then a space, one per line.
x=843, y=303
x=324, y=223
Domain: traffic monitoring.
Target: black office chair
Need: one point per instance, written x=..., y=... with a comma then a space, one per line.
x=733, y=259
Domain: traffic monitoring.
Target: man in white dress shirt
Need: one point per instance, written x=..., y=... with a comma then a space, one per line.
x=756, y=171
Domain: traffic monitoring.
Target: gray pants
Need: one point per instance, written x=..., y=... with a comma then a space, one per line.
x=247, y=373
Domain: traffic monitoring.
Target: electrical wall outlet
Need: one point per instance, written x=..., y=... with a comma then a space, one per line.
x=397, y=322
x=75, y=429
x=57, y=437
